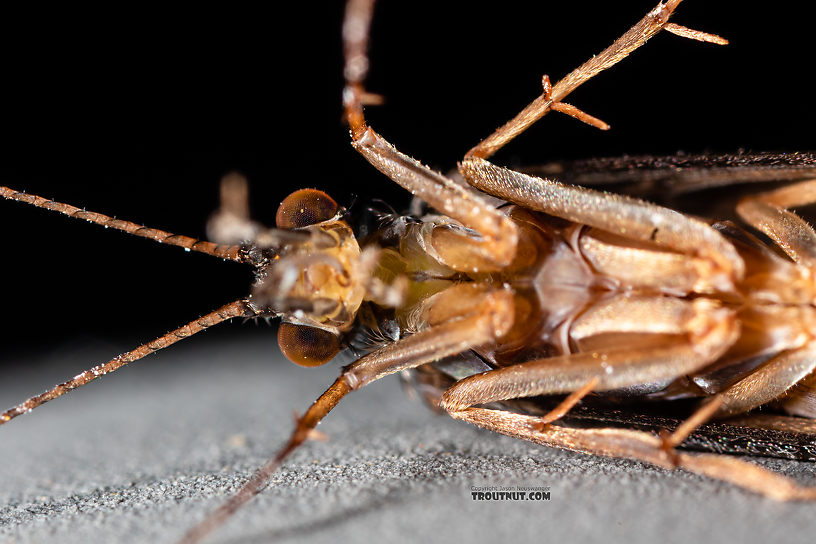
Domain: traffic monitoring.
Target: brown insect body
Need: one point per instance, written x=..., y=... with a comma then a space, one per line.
x=561, y=291
x=563, y=278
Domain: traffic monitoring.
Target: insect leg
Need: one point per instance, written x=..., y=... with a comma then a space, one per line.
x=615, y=369
x=496, y=246
x=801, y=401
x=642, y=446
x=479, y=322
x=710, y=332
x=651, y=268
x=231, y=252
x=654, y=21
x=568, y=403
x=768, y=212
x=698, y=418
x=239, y=308
x=770, y=381
x=647, y=314
x=618, y=214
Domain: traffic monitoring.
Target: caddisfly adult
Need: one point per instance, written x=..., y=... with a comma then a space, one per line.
x=576, y=299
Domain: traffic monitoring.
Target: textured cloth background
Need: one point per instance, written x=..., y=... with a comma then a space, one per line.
x=142, y=454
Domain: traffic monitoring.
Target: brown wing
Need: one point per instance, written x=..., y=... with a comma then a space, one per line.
x=758, y=435
x=650, y=176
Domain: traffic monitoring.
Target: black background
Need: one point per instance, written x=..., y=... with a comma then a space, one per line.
x=138, y=114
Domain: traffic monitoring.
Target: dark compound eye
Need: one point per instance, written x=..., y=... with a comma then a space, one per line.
x=303, y=208
x=307, y=346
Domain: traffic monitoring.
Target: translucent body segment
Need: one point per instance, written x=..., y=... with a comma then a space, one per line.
x=765, y=331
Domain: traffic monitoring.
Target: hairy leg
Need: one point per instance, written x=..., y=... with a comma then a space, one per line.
x=641, y=446
x=452, y=329
x=768, y=212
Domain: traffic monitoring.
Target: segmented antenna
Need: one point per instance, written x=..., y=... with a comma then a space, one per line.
x=238, y=308
x=231, y=252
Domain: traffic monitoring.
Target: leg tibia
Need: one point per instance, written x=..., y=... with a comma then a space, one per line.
x=641, y=446
x=768, y=213
x=613, y=368
x=651, y=24
x=621, y=215
x=770, y=381
x=496, y=245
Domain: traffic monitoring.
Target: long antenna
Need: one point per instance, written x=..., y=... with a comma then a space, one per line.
x=230, y=252
x=238, y=308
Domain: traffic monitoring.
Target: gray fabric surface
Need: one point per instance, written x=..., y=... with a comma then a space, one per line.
x=143, y=454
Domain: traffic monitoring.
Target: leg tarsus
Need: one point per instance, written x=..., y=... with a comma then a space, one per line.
x=671, y=440
x=566, y=405
x=356, y=28
x=654, y=21
x=304, y=430
x=699, y=417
